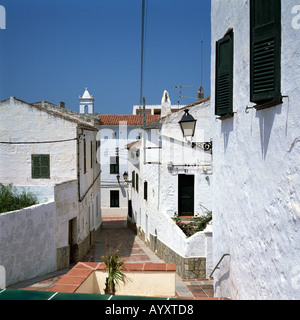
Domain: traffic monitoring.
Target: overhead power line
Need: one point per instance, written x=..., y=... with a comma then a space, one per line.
x=143, y=36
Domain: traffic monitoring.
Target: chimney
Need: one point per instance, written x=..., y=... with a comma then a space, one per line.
x=200, y=93
x=165, y=104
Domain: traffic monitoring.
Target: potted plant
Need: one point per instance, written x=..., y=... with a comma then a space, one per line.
x=114, y=267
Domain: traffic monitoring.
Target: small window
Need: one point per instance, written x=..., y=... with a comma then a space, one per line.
x=114, y=165
x=265, y=51
x=224, y=76
x=40, y=166
x=146, y=190
x=92, y=155
x=133, y=179
x=84, y=155
x=114, y=199
x=137, y=183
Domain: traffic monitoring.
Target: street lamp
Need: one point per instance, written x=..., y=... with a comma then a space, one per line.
x=125, y=176
x=188, y=125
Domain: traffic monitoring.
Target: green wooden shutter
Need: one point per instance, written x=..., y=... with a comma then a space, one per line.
x=224, y=75
x=40, y=166
x=45, y=166
x=84, y=156
x=146, y=190
x=133, y=179
x=265, y=50
x=35, y=167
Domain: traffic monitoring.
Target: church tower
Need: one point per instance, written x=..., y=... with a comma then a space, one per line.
x=86, y=102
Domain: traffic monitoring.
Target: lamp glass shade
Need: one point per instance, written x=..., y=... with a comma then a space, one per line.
x=188, y=124
x=188, y=128
x=125, y=176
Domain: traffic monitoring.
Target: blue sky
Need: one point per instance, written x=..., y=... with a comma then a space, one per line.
x=52, y=49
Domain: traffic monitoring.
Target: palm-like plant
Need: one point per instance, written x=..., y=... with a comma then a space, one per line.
x=114, y=267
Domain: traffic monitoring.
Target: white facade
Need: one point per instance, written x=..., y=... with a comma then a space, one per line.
x=256, y=205
x=70, y=144
x=153, y=215
x=114, y=140
x=157, y=109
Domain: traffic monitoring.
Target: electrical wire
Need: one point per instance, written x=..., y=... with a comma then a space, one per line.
x=143, y=36
x=37, y=142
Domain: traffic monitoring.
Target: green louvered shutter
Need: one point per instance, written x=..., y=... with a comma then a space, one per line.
x=35, y=167
x=45, y=166
x=224, y=76
x=40, y=166
x=265, y=50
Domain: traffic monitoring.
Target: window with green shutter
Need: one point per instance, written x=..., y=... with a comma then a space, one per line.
x=114, y=165
x=133, y=179
x=137, y=182
x=224, y=76
x=265, y=51
x=40, y=166
x=145, y=190
x=114, y=199
x=84, y=155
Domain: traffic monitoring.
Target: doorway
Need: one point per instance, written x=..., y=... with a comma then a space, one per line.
x=71, y=240
x=186, y=195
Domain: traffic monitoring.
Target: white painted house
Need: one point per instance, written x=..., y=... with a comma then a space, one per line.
x=255, y=88
x=51, y=151
x=167, y=176
x=115, y=133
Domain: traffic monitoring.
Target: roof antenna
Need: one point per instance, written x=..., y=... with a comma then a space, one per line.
x=180, y=89
x=201, y=58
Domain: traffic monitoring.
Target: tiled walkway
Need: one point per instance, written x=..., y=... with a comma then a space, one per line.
x=132, y=249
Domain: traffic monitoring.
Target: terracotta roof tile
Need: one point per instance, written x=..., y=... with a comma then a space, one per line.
x=132, y=120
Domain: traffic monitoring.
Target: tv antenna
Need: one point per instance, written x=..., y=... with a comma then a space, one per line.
x=180, y=93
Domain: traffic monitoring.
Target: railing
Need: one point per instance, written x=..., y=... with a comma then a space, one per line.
x=217, y=266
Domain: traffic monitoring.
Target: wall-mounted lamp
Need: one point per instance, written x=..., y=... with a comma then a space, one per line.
x=125, y=176
x=188, y=125
x=118, y=178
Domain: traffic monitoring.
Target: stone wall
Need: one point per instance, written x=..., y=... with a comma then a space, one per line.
x=186, y=268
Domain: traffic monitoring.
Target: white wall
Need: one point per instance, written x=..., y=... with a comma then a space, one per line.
x=154, y=215
x=256, y=215
x=27, y=242
x=111, y=138
x=20, y=122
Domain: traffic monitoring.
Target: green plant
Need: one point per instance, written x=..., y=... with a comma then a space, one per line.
x=11, y=200
x=200, y=223
x=197, y=224
x=114, y=267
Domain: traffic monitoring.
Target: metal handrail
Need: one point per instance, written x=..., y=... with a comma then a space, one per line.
x=216, y=267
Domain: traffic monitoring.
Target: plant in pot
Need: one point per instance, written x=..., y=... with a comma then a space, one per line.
x=114, y=267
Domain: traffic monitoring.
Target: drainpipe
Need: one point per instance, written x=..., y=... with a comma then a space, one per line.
x=78, y=162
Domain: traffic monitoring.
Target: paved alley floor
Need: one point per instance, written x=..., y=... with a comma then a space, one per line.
x=115, y=234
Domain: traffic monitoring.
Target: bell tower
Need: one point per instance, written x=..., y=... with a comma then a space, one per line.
x=86, y=102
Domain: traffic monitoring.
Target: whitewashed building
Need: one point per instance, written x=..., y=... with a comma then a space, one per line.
x=115, y=133
x=167, y=176
x=255, y=88
x=45, y=148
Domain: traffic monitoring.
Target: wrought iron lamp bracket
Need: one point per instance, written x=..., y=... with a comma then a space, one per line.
x=206, y=146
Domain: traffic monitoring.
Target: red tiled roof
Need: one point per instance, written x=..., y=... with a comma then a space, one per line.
x=132, y=120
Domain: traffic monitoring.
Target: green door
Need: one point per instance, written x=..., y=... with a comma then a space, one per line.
x=186, y=195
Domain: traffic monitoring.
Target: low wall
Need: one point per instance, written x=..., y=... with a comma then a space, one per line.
x=193, y=256
x=27, y=242
x=144, y=279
